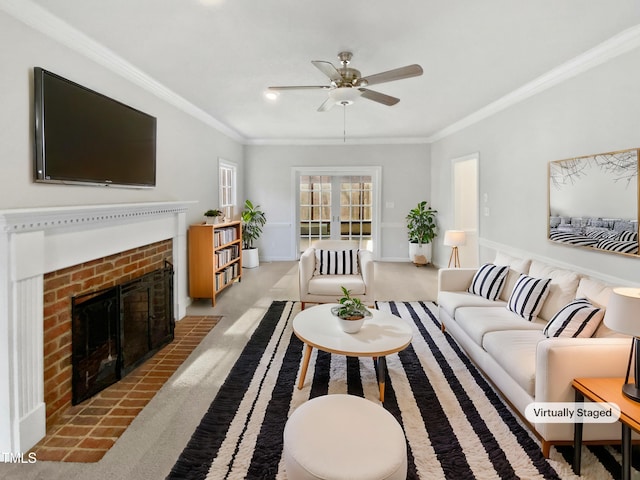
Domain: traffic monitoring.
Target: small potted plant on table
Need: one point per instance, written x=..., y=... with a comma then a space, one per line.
x=351, y=312
x=213, y=217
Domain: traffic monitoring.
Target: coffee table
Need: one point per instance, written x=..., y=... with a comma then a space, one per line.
x=382, y=334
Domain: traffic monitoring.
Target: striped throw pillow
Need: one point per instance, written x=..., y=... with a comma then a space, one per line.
x=489, y=280
x=528, y=295
x=336, y=262
x=577, y=319
x=627, y=236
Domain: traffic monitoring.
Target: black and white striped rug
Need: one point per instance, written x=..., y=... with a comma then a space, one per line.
x=457, y=427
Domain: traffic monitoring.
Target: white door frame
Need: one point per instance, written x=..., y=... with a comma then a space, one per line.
x=372, y=171
x=473, y=246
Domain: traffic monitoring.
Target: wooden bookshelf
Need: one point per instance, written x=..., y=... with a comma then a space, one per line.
x=215, y=258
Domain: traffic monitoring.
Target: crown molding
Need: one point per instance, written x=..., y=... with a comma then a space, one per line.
x=337, y=141
x=45, y=22
x=619, y=44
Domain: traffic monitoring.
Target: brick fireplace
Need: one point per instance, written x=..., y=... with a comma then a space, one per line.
x=46, y=255
x=60, y=286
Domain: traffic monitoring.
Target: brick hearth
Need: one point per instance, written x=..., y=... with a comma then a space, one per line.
x=85, y=432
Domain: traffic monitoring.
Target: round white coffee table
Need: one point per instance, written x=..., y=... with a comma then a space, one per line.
x=382, y=334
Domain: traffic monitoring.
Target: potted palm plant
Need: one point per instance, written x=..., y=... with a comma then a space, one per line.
x=253, y=219
x=421, y=224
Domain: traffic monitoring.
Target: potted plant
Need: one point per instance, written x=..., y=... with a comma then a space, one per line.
x=351, y=312
x=213, y=216
x=421, y=223
x=253, y=219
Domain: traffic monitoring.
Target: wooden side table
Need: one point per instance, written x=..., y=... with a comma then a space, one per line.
x=607, y=390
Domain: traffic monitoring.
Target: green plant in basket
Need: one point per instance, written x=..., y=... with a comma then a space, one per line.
x=350, y=308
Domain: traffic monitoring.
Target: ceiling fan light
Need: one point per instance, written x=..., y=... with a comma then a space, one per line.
x=344, y=95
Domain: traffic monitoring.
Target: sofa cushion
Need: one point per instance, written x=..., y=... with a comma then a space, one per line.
x=562, y=289
x=595, y=291
x=336, y=262
x=451, y=301
x=528, y=296
x=577, y=319
x=515, y=352
x=478, y=321
x=331, y=285
x=489, y=280
x=598, y=294
x=516, y=267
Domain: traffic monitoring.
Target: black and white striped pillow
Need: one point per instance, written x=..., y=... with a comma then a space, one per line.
x=577, y=319
x=618, y=246
x=489, y=280
x=627, y=236
x=337, y=262
x=528, y=295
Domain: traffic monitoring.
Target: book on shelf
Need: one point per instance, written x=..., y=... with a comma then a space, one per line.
x=226, y=255
x=222, y=236
x=227, y=275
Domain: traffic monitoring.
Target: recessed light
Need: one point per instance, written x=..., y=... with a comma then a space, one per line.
x=271, y=95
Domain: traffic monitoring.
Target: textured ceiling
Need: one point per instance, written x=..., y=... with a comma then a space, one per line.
x=221, y=55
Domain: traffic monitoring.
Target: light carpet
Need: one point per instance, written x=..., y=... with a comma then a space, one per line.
x=456, y=425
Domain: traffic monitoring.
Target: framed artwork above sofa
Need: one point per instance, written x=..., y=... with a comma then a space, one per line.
x=593, y=202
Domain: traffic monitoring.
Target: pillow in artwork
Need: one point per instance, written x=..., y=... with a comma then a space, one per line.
x=577, y=319
x=337, y=262
x=528, y=295
x=489, y=280
x=627, y=236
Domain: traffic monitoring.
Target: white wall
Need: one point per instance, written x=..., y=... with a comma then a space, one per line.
x=187, y=149
x=405, y=180
x=594, y=112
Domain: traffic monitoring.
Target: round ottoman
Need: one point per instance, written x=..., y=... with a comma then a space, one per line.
x=337, y=437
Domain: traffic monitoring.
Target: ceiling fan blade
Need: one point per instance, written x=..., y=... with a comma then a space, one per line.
x=379, y=97
x=300, y=87
x=327, y=105
x=391, y=75
x=328, y=69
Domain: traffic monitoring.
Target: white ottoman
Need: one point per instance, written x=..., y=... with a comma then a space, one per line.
x=336, y=437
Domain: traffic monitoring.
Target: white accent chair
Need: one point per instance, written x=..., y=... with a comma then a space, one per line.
x=315, y=288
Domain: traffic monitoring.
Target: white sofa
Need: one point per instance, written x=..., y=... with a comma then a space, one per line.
x=515, y=354
x=316, y=288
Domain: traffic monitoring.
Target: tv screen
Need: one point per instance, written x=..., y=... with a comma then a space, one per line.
x=85, y=137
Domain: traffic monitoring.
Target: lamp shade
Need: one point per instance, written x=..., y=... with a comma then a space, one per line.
x=455, y=238
x=344, y=95
x=623, y=311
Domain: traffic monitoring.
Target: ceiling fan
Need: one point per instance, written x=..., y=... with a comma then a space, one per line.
x=347, y=84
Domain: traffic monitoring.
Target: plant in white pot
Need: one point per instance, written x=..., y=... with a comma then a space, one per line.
x=421, y=223
x=213, y=216
x=253, y=219
x=351, y=312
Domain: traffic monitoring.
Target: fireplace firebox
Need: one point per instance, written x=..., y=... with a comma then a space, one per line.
x=115, y=330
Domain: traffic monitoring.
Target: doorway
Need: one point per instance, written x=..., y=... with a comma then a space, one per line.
x=337, y=205
x=465, y=206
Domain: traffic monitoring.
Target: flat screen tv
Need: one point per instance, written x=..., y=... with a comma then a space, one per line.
x=84, y=137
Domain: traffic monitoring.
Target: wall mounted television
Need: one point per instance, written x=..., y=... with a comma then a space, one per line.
x=84, y=137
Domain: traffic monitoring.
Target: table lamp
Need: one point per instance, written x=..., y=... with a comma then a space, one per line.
x=454, y=239
x=623, y=315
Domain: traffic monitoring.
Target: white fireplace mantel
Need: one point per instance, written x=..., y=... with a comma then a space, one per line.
x=35, y=241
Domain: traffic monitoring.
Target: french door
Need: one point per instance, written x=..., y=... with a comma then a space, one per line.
x=338, y=207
